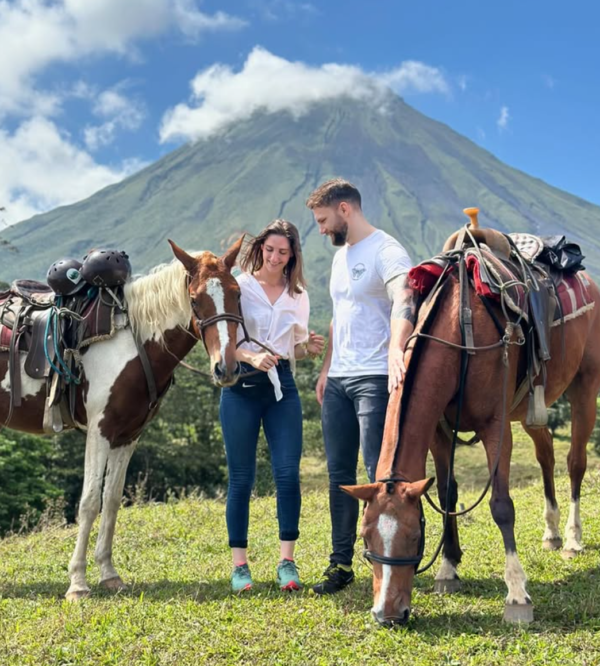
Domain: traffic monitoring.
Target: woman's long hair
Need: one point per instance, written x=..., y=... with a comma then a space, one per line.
x=293, y=271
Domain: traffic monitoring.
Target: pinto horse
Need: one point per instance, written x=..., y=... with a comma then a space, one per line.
x=193, y=298
x=392, y=524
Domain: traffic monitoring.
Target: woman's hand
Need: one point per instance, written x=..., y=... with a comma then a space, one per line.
x=315, y=344
x=264, y=361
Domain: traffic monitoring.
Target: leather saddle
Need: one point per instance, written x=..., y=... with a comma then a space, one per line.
x=45, y=334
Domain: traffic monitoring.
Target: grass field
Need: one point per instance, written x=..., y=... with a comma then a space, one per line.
x=179, y=610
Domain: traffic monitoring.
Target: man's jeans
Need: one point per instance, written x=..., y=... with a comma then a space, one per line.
x=353, y=417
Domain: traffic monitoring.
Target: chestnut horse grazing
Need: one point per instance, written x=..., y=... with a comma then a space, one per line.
x=392, y=523
x=170, y=309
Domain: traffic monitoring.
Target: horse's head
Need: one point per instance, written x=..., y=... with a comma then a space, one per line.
x=215, y=300
x=392, y=528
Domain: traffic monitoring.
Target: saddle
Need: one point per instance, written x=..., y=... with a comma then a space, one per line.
x=45, y=335
x=522, y=272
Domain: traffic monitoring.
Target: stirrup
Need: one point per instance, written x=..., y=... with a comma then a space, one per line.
x=537, y=414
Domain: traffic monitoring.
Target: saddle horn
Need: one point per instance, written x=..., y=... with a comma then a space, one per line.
x=472, y=214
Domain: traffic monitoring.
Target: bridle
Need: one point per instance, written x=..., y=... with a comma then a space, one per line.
x=200, y=325
x=414, y=560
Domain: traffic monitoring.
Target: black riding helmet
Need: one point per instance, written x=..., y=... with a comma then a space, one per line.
x=64, y=277
x=106, y=268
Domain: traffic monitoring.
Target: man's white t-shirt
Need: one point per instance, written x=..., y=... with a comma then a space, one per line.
x=361, y=305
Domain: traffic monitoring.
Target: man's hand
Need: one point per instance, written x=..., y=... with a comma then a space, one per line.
x=396, y=368
x=320, y=390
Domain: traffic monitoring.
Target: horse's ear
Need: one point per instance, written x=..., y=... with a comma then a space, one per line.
x=418, y=488
x=365, y=492
x=186, y=259
x=231, y=255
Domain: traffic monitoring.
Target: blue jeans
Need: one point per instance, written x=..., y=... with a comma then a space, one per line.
x=241, y=418
x=353, y=417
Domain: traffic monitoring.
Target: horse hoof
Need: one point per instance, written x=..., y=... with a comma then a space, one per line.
x=570, y=554
x=114, y=584
x=77, y=595
x=552, y=544
x=518, y=613
x=447, y=586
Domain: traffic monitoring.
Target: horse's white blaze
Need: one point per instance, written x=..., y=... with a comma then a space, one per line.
x=573, y=528
x=515, y=581
x=447, y=570
x=29, y=386
x=214, y=289
x=552, y=518
x=387, y=527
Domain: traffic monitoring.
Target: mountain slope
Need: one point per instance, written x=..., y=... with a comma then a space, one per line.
x=415, y=175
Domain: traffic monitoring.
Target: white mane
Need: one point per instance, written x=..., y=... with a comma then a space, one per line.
x=159, y=301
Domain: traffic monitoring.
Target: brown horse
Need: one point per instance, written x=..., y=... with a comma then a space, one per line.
x=391, y=524
x=170, y=309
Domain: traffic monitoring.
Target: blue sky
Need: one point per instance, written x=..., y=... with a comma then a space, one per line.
x=92, y=90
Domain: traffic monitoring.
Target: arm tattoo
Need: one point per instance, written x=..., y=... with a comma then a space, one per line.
x=404, y=302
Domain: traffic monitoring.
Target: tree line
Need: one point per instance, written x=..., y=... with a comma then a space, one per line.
x=180, y=451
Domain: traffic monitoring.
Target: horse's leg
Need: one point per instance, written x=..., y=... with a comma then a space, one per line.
x=116, y=469
x=544, y=452
x=96, y=453
x=518, y=607
x=582, y=396
x=446, y=579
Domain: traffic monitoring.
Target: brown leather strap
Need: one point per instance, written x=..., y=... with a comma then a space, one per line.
x=145, y=361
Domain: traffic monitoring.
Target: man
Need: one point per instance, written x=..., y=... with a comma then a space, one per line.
x=373, y=316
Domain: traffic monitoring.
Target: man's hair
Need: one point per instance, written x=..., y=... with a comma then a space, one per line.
x=333, y=192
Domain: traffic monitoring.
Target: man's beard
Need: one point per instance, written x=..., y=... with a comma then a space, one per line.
x=339, y=234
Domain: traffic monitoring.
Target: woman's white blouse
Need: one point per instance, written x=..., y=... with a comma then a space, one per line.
x=280, y=326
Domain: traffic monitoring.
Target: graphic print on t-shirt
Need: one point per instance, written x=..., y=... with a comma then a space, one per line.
x=358, y=271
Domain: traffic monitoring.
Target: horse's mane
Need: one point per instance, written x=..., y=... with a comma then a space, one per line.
x=159, y=301
x=426, y=315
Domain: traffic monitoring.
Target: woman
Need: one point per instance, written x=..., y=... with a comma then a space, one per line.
x=276, y=309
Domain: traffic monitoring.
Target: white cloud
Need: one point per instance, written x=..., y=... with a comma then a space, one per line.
x=277, y=10
x=42, y=169
x=40, y=166
x=463, y=82
x=192, y=22
x=119, y=112
x=221, y=96
x=414, y=76
x=35, y=34
x=503, y=119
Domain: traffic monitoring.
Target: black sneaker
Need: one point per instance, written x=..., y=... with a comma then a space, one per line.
x=335, y=578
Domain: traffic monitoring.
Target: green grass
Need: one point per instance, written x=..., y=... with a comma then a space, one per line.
x=179, y=609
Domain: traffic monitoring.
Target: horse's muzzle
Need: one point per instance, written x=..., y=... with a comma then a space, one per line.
x=223, y=376
x=390, y=622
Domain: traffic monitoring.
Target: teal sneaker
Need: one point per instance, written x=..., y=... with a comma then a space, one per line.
x=241, y=580
x=287, y=576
